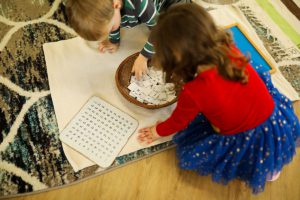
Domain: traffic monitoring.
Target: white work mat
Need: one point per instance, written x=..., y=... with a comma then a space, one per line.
x=99, y=131
x=76, y=72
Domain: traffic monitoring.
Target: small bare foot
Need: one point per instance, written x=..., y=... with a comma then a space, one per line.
x=274, y=177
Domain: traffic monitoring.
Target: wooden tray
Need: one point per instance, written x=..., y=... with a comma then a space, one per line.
x=122, y=78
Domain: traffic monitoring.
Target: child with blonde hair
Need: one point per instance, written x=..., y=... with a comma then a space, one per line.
x=101, y=20
x=231, y=122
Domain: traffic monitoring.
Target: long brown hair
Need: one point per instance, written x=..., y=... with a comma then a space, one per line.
x=89, y=18
x=186, y=37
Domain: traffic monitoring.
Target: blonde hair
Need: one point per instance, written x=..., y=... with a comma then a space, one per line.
x=90, y=17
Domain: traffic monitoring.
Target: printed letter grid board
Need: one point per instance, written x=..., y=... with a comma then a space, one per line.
x=99, y=131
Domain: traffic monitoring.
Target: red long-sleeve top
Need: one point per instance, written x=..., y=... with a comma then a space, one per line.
x=231, y=106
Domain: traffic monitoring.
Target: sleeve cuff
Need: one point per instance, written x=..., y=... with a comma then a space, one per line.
x=147, y=54
x=114, y=41
x=161, y=132
x=114, y=37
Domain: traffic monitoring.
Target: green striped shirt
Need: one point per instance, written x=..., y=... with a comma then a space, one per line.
x=136, y=12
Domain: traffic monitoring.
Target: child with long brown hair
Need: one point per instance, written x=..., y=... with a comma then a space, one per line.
x=230, y=121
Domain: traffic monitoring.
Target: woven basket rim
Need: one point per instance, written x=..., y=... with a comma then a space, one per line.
x=130, y=98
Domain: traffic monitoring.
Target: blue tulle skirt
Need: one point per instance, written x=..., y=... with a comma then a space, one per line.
x=252, y=156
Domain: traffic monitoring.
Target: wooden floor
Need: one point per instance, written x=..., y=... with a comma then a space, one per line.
x=158, y=177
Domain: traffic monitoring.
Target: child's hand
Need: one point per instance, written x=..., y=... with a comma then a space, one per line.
x=107, y=46
x=140, y=66
x=148, y=135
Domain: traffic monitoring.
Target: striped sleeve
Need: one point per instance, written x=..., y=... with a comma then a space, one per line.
x=114, y=36
x=148, y=50
x=147, y=14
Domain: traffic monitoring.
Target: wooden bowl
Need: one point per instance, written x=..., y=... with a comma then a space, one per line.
x=123, y=76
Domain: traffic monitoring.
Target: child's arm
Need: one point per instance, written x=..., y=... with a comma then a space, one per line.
x=147, y=14
x=185, y=111
x=112, y=44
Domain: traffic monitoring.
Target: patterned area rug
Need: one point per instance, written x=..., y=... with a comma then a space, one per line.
x=31, y=156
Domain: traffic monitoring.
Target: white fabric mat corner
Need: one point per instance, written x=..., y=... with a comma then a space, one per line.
x=76, y=72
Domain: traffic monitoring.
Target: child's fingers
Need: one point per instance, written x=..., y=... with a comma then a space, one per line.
x=144, y=141
x=141, y=132
x=140, y=140
x=102, y=49
x=112, y=49
x=136, y=72
x=145, y=70
x=144, y=129
x=100, y=46
x=143, y=136
x=138, y=75
x=149, y=141
x=133, y=70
